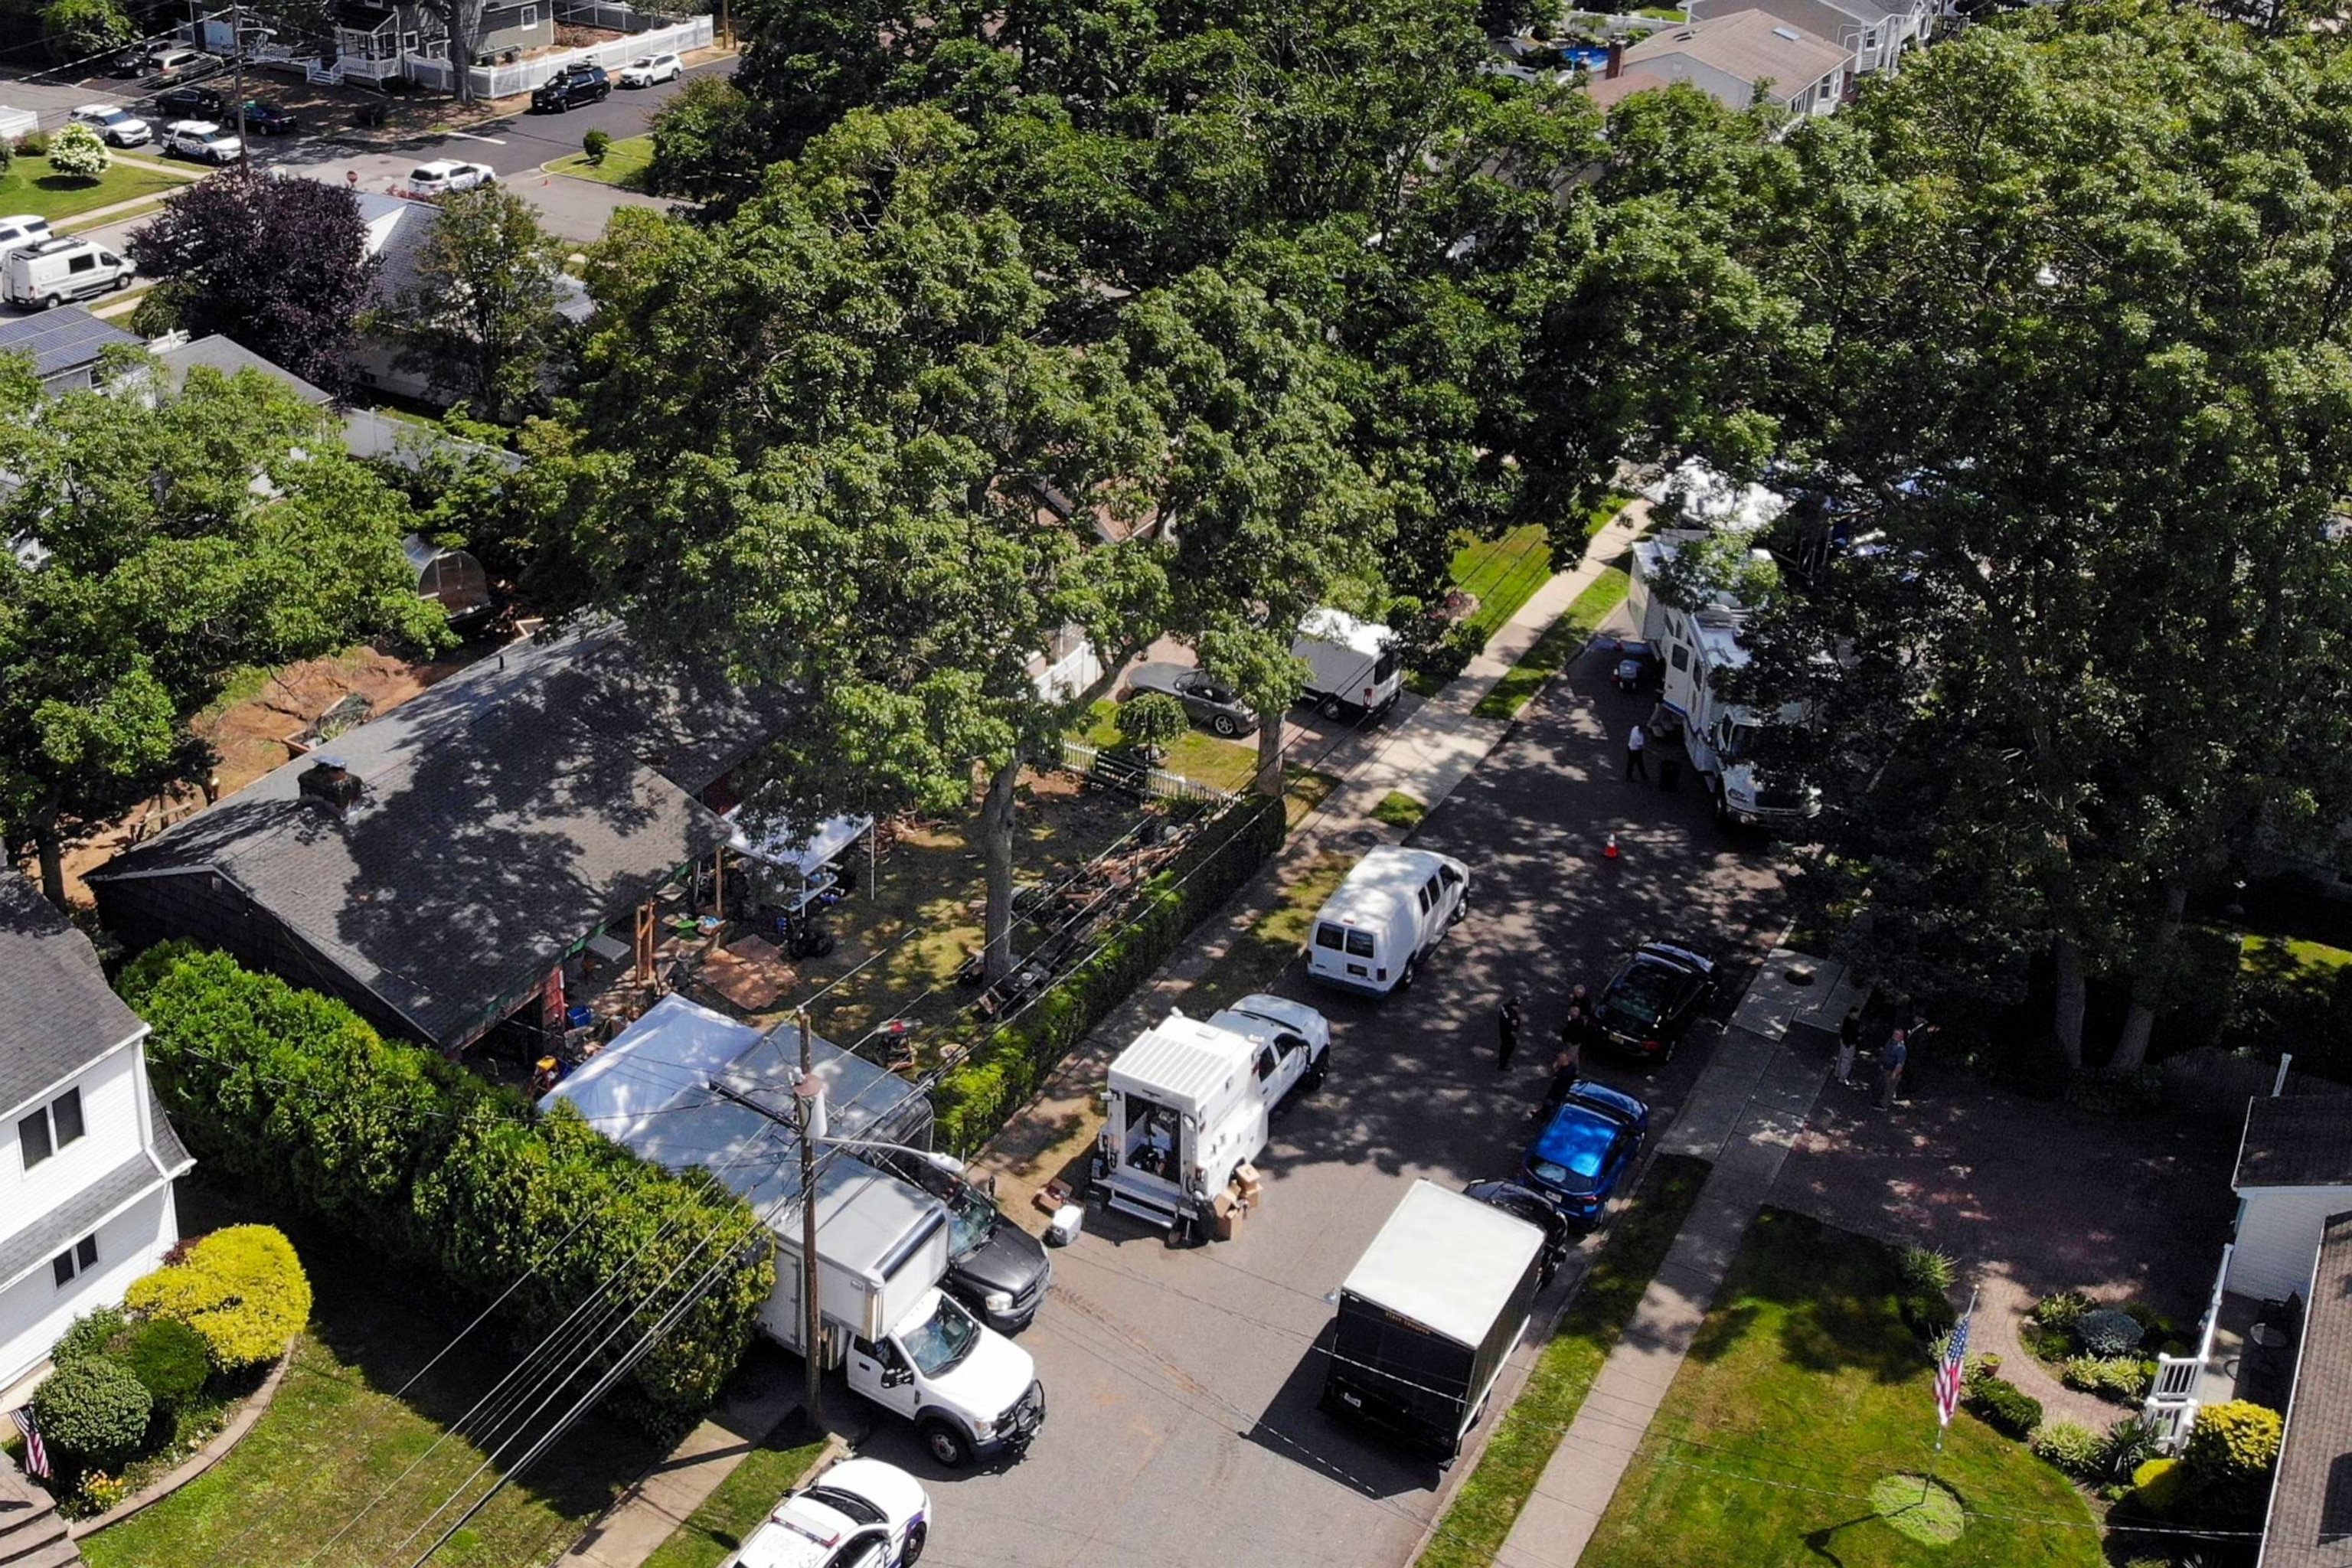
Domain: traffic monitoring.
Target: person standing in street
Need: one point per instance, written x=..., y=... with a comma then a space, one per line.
x=1636, y=743
x=1892, y=1062
x=1563, y=1076
x=1849, y=1041
x=1507, y=1032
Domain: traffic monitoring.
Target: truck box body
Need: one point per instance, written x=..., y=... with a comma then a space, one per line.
x=1349, y=663
x=1429, y=1315
x=881, y=1245
x=1183, y=1111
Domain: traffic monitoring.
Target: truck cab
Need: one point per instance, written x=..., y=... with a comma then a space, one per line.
x=971, y=1393
x=1292, y=1041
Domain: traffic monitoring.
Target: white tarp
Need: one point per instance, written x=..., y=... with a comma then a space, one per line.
x=783, y=844
x=1709, y=498
x=672, y=1051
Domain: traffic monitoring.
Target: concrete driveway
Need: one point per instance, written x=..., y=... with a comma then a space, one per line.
x=1181, y=1386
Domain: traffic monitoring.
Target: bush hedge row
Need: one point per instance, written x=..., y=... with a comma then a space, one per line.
x=294, y=1093
x=975, y=1099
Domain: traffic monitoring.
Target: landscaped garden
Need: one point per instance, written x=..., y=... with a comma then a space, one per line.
x=624, y=162
x=1802, y=1431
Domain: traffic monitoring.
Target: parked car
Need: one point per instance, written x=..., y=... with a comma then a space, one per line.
x=647, y=69
x=1207, y=701
x=267, y=119
x=132, y=61
x=192, y=103
x=443, y=175
x=1647, y=1004
x=202, y=140
x=1636, y=665
x=1512, y=1198
x=1585, y=1149
x=43, y=277
x=995, y=1266
x=861, y=1513
x=571, y=88
x=181, y=64
x=116, y=126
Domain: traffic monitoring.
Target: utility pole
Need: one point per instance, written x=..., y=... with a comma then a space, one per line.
x=236, y=60
x=807, y=1091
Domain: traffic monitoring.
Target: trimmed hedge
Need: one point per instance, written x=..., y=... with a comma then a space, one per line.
x=296, y=1094
x=93, y=1409
x=2002, y=1405
x=978, y=1097
x=241, y=1290
x=171, y=1360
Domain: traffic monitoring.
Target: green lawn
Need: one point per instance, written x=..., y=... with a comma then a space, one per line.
x=1399, y=809
x=2263, y=953
x=1803, y=1390
x=1605, y=511
x=742, y=1501
x=30, y=187
x=1227, y=764
x=1504, y=572
x=1562, y=642
x=337, y=1437
x=624, y=161
x=1261, y=953
x=1482, y=1513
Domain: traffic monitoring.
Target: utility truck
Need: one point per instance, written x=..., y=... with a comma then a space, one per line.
x=1697, y=650
x=1191, y=1099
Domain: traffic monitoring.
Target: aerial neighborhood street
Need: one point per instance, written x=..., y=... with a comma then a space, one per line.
x=1415, y=786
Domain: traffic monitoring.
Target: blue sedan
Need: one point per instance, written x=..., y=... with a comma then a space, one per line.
x=1585, y=1149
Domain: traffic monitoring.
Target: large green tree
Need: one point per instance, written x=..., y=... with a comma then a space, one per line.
x=2072, y=341
x=479, y=320
x=158, y=550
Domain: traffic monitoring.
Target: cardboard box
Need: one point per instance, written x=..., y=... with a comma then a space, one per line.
x=1248, y=1182
x=1224, y=1216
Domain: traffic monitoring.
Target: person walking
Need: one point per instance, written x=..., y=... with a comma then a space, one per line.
x=1507, y=1032
x=1563, y=1076
x=1849, y=1041
x=1636, y=743
x=1890, y=1062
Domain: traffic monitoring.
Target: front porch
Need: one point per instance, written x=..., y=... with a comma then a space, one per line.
x=2245, y=1349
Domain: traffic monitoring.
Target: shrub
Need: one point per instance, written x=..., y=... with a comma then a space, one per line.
x=89, y=1336
x=2157, y=1484
x=32, y=144
x=93, y=1409
x=2002, y=1405
x=2234, y=1441
x=98, y=1493
x=1925, y=1268
x=2107, y=1331
x=241, y=1290
x=2128, y=1444
x=170, y=1359
x=2124, y=1378
x=2061, y=1311
x=77, y=152
x=1928, y=1314
x=2072, y=1446
x=2055, y=1346
x=1000, y=1075
x=596, y=143
x=1151, y=722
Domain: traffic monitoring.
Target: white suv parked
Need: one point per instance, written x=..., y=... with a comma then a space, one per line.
x=862, y=1513
x=115, y=124
x=444, y=175
x=648, y=69
x=202, y=140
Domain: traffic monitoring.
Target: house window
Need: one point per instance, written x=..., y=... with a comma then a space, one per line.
x=529, y=17
x=78, y=1258
x=51, y=1128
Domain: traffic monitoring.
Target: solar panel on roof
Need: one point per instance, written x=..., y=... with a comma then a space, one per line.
x=61, y=339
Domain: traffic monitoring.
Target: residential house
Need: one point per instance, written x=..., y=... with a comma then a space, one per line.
x=1739, y=60
x=64, y=345
x=377, y=41
x=177, y=353
x=1877, y=32
x=438, y=867
x=85, y=1173
x=2309, y=1523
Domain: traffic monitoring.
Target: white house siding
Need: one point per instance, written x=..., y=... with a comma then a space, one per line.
x=34, y=1312
x=111, y=1116
x=2278, y=1232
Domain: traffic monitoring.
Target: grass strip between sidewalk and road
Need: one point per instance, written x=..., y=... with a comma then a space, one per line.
x=1480, y=1517
x=1561, y=641
x=1399, y=809
x=625, y=159
x=734, y=1509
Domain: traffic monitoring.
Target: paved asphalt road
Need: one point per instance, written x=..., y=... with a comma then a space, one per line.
x=1181, y=1386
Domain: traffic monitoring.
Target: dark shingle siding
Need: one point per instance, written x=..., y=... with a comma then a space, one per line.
x=2297, y=1141
x=57, y=1015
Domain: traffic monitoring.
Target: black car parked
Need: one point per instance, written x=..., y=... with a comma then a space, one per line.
x=1560, y=1235
x=1645, y=1007
x=193, y=103
x=266, y=119
x=995, y=1266
x=571, y=88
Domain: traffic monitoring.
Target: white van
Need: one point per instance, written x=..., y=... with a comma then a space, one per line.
x=1351, y=664
x=1190, y=1100
x=21, y=232
x=1394, y=907
x=47, y=275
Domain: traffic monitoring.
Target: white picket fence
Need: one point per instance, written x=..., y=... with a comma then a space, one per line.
x=510, y=81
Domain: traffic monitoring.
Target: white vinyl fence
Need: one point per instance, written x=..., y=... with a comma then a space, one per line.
x=509, y=81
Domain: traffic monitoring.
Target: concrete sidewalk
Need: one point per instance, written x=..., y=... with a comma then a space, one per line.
x=1744, y=1114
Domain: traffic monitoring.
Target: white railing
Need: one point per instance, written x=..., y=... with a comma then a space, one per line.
x=1123, y=772
x=2171, y=1406
x=511, y=81
x=325, y=76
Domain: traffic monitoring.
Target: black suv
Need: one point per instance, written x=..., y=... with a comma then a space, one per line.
x=192, y=103
x=574, y=86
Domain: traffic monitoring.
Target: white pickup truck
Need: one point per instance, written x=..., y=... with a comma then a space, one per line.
x=1192, y=1098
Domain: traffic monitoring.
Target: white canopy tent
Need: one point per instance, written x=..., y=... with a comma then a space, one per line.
x=807, y=856
x=671, y=1053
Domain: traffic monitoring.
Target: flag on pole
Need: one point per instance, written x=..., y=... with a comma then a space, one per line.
x=1951, y=1372
x=37, y=1453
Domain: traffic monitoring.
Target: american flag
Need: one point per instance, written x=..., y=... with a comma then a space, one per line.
x=1949, y=1371
x=37, y=1453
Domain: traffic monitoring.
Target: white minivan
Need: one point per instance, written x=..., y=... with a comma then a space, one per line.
x=1394, y=907
x=44, y=276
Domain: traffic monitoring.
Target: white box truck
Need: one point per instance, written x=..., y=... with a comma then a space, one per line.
x=1191, y=1100
x=1394, y=905
x=1695, y=648
x=1351, y=666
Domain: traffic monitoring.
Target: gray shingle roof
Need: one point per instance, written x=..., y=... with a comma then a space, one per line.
x=508, y=813
x=57, y=1015
x=2310, y=1523
x=77, y=1216
x=2297, y=1141
x=1752, y=46
x=228, y=356
x=61, y=339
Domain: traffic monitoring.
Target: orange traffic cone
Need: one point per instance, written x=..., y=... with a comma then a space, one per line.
x=1610, y=853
